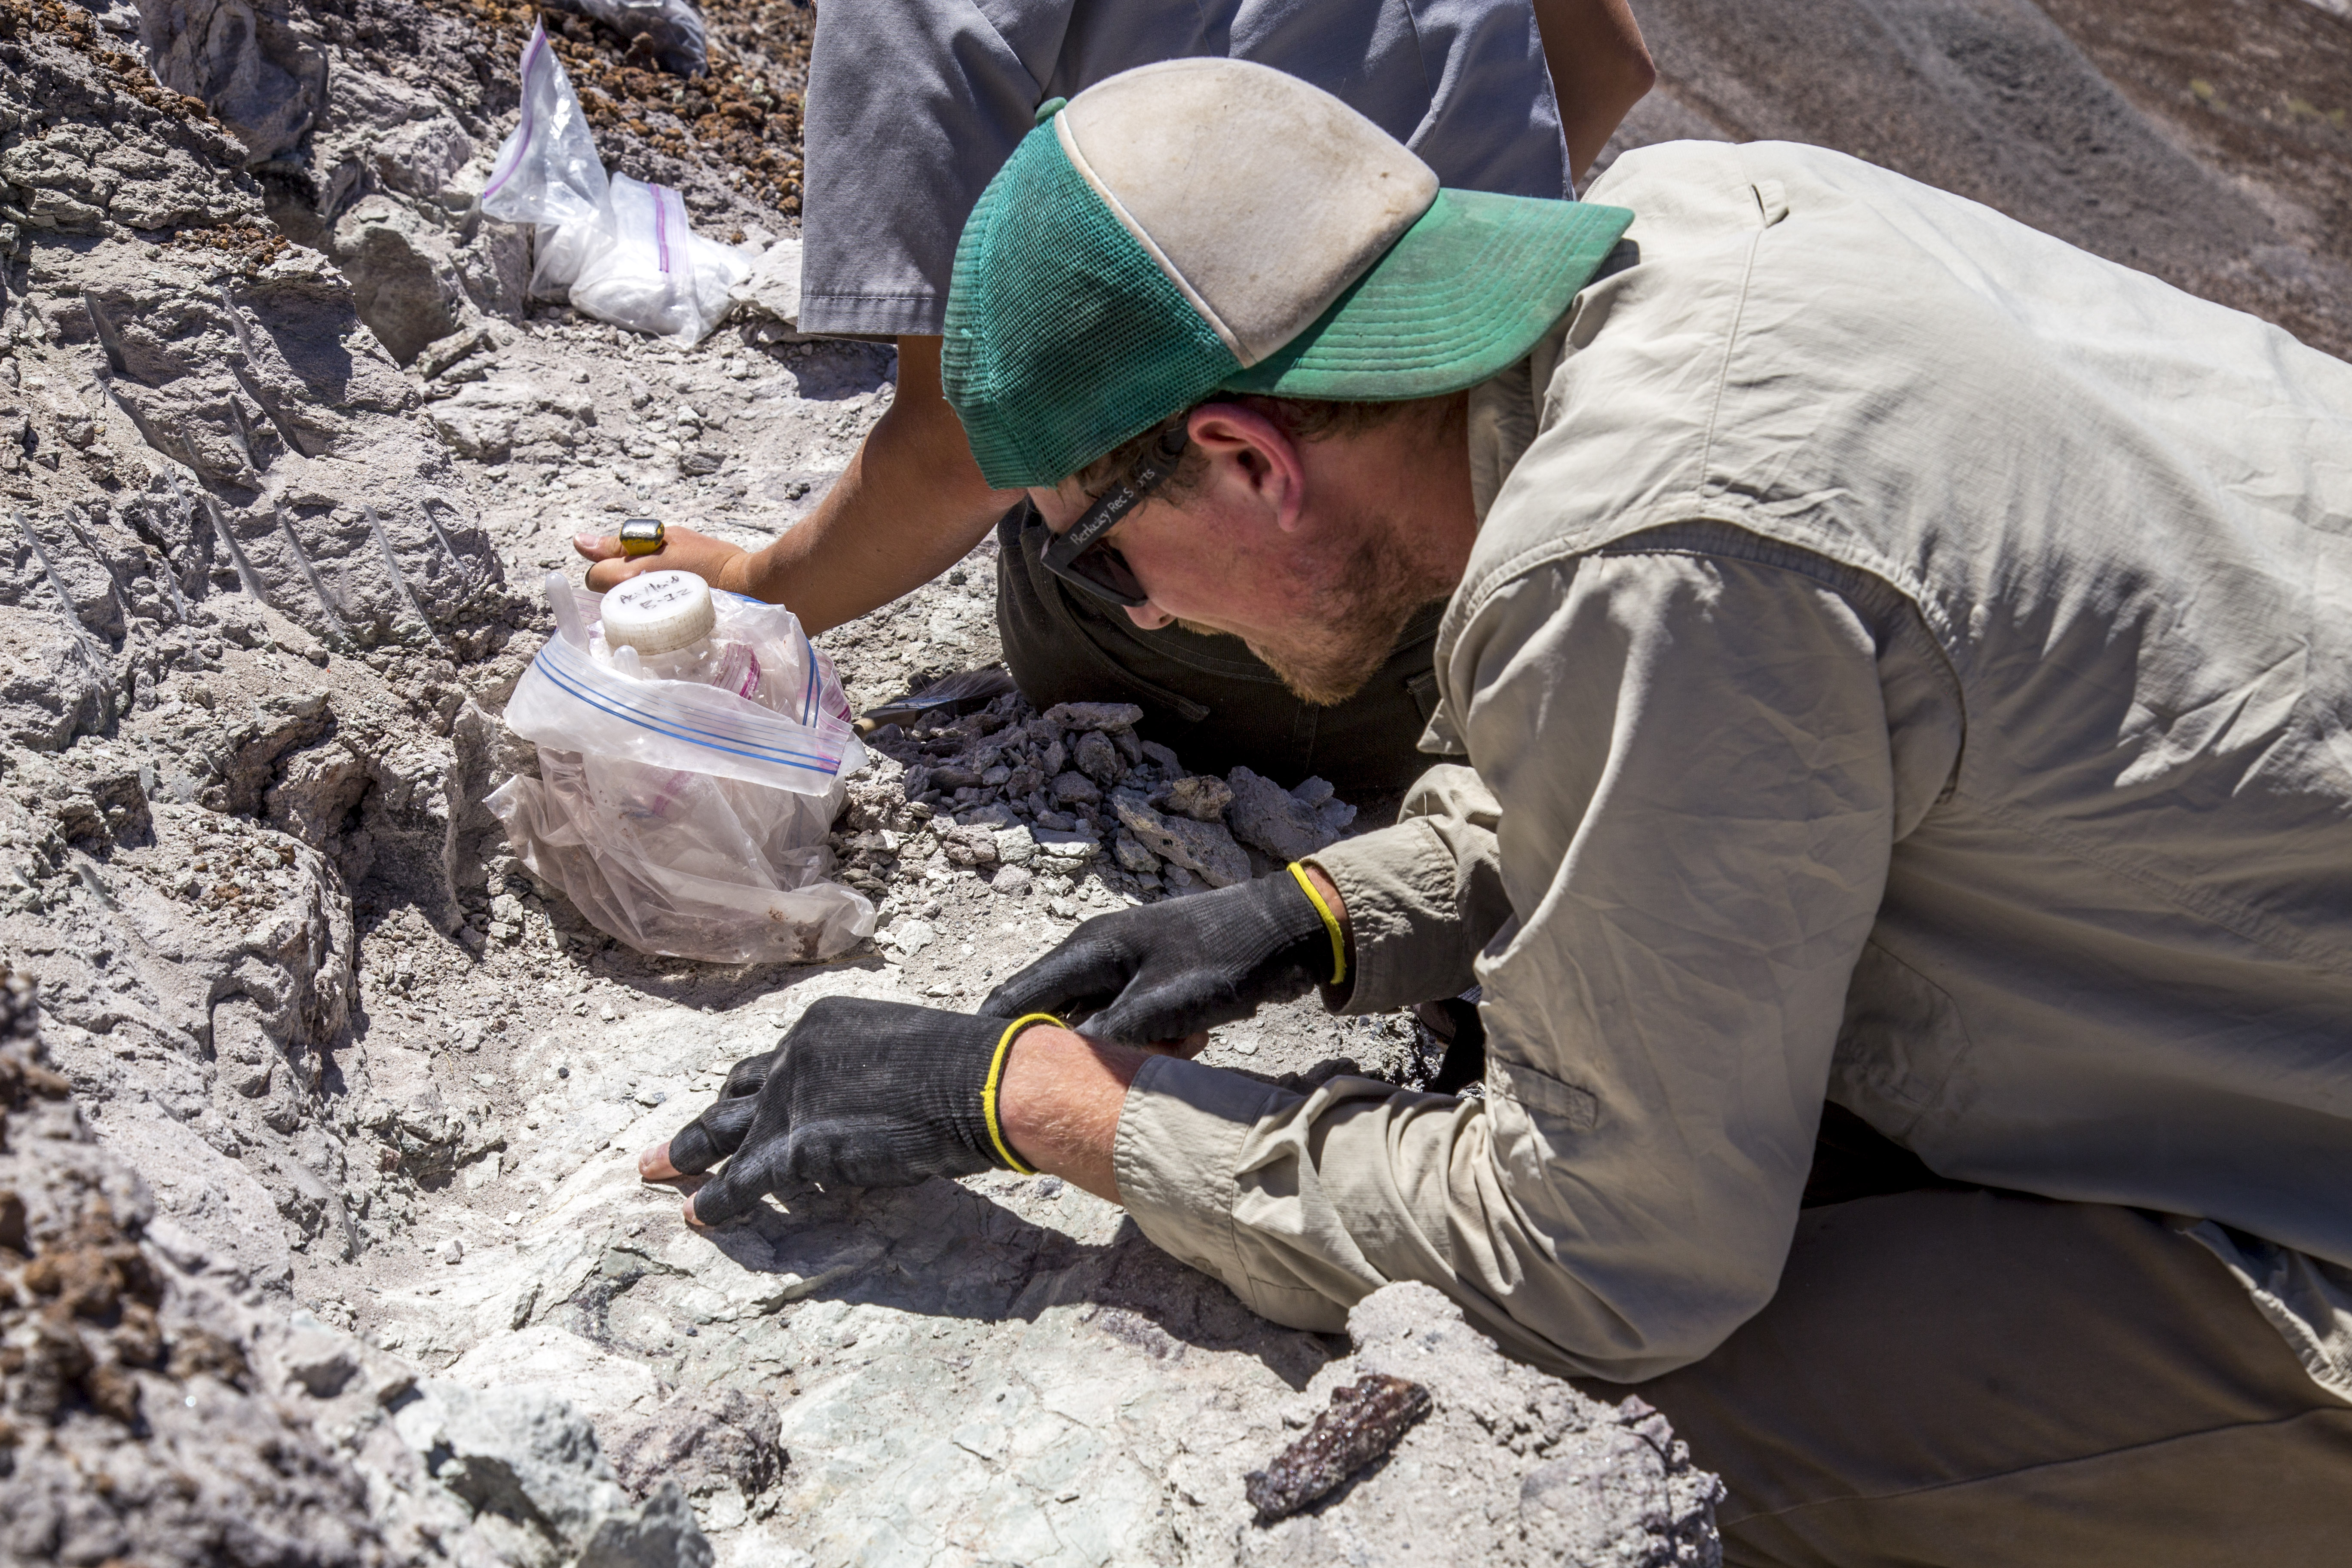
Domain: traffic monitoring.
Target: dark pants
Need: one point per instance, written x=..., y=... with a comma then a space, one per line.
x=1979, y=1379
x=1209, y=698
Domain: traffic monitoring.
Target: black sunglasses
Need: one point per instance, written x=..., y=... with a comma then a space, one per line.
x=1079, y=557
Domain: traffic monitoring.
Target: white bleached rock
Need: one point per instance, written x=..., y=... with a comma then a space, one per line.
x=773, y=289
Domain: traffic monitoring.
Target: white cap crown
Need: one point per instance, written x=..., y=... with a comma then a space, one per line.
x=1306, y=193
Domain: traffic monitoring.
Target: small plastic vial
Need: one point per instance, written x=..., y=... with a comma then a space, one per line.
x=667, y=622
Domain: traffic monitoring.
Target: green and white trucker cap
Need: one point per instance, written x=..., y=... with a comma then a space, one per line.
x=1200, y=225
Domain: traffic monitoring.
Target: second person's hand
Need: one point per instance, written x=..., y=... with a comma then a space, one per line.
x=716, y=562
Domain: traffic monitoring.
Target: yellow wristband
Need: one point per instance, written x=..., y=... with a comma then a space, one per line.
x=1330, y=924
x=996, y=1077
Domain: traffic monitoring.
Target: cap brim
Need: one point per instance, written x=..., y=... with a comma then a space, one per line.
x=1467, y=291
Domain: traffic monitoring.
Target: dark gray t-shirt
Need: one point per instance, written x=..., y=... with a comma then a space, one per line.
x=913, y=105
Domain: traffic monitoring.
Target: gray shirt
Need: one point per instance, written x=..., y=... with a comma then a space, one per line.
x=1910, y=665
x=913, y=105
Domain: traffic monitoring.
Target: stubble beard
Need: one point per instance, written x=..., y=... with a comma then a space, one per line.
x=1351, y=625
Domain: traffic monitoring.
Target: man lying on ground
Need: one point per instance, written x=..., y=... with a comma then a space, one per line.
x=913, y=108
x=1902, y=660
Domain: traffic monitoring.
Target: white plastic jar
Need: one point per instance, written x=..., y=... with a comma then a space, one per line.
x=662, y=625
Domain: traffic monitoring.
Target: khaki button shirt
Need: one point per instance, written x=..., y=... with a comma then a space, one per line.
x=1909, y=664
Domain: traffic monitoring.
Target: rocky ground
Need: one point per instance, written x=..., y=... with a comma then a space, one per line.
x=326, y=1243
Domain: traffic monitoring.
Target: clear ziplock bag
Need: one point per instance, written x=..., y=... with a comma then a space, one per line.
x=642, y=265
x=619, y=249
x=689, y=819
x=547, y=172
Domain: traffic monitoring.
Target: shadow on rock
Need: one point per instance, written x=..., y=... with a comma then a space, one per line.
x=943, y=1251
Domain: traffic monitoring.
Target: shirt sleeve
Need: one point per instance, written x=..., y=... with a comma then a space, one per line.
x=912, y=107
x=1692, y=782
x=1423, y=896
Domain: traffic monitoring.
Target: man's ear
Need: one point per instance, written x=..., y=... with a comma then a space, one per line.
x=1251, y=461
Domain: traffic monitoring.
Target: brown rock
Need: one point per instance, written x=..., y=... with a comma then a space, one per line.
x=1366, y=1418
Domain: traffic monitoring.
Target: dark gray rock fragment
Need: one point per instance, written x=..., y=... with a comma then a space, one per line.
x=1200, y=846
x=1271, y=818
x=1097, y=758
x=1094, y=715
x=1203, y=798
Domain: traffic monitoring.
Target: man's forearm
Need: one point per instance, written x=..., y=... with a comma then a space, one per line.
x=1060, y=1101
x=1600, y=68
x=910, y=504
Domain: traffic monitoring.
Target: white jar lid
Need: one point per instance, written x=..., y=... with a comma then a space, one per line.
x=658, y=611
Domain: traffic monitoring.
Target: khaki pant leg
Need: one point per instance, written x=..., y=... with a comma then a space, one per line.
x=1986, y=1379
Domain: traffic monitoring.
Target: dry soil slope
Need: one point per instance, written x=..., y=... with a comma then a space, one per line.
x=2203, y=140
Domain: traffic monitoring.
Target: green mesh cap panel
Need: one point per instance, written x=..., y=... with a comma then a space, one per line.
x=1064, y=338
x=1467, y=289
